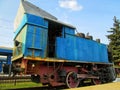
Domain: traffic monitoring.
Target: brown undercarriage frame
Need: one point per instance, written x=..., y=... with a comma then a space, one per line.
x=56, y=73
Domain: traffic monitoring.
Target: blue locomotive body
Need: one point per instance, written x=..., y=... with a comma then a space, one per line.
x=35, y=31
x=74, y=48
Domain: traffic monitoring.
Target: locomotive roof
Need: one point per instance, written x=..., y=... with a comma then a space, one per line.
x=27, y=7
x=32, y=9
x=59, y=22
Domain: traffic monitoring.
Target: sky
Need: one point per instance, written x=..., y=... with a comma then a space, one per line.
x=88, y=16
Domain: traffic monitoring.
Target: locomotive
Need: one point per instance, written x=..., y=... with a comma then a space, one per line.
x=51, y=52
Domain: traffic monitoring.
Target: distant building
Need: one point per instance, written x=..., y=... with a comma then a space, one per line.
x=5, y=56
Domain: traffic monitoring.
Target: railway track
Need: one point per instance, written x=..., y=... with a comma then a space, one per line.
x=6, y=79
x=40, y=88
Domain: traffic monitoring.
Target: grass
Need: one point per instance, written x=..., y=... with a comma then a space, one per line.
x=6, y=86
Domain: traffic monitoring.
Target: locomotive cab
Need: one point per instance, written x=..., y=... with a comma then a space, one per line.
x=56, y=29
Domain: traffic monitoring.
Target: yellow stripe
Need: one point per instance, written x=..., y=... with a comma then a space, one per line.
x=45, y=59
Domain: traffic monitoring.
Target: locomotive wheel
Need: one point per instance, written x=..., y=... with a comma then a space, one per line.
x=96, y=81
x=71, y=80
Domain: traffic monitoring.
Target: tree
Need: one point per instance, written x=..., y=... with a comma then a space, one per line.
x=114, y=44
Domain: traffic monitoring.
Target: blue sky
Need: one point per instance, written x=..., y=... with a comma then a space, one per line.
x=93, y=16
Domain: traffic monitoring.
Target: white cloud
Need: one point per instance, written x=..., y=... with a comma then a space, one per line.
x=70, y=4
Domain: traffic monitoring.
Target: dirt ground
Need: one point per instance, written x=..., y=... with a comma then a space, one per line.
x=109, y=86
